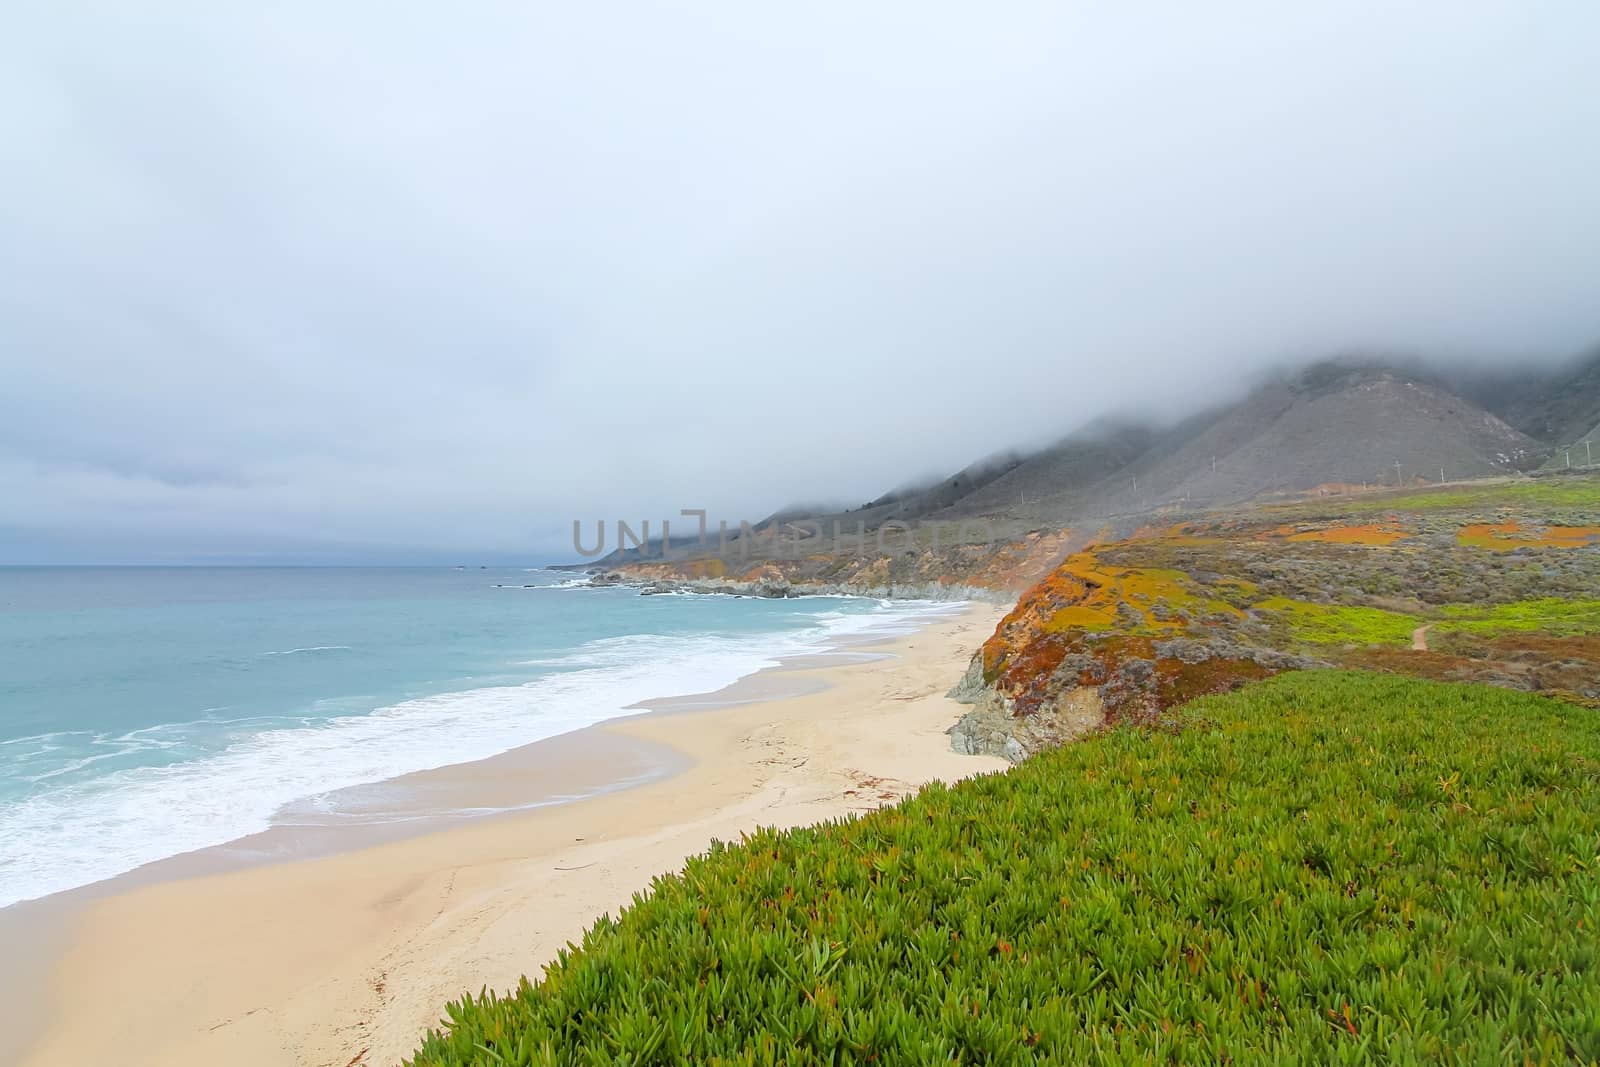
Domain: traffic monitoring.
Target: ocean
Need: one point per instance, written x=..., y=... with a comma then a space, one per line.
x=148, y=712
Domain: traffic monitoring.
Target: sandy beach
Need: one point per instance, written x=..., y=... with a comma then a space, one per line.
x=347, y=957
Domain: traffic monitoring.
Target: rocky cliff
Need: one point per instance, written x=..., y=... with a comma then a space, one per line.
x=1497, y=583
x=797, y=560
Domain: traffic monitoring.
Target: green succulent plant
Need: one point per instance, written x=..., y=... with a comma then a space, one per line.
x=1328, y=867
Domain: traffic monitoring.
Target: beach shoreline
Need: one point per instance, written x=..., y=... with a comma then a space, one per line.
x=344, y=952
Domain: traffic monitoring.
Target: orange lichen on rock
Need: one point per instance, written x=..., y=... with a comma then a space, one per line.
x=762, y=572
x=1050, y=665
x=1055, y=592
x=1371, y=533
x=1112, y=592
x=1028, y=676
x=1086, y=595
x=1368, y=534
x=1147, y=587
x=1511, y=535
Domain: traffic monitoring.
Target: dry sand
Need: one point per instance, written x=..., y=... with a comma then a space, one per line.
x=346, y=959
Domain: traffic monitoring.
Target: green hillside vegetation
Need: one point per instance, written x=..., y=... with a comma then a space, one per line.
x=1547, y=615
x=1342, y=623
x=1577, y=492
x=1351, y=624
x=1331, y=867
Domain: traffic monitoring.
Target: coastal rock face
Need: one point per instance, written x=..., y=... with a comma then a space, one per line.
x=972, y=688
x=778, y=588
x=993, y=729
x=976, y=734
x=989, y=572
x=1124, y=630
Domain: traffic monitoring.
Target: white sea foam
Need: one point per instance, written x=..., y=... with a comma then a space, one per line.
x=566, y=583
x=93, y=829
x=313, y=648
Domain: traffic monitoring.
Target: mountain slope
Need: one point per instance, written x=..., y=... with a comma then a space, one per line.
x=1332, y=423
x=1557, y=408
x=1049, y=483
x=1325, y=427
x=1337, y=423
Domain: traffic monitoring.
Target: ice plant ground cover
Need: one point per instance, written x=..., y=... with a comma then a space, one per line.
x=1327, y=866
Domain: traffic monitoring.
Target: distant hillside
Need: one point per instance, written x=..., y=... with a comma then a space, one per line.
x=1584, y=452
x=1332, y=423
x=1335, y=425
x=1557, y=408
x=1059, y=480
x=914, y=502
x=1327, y=426
x=1035, y=489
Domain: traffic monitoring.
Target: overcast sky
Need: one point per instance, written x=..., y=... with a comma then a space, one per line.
x=396, y=280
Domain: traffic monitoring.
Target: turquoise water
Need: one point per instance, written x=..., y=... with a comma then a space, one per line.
x=146, y=712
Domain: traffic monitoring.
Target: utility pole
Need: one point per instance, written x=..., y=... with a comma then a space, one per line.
x=1441, y=475
x=1568, y=453
x=1396, y=472
x=1588, y=451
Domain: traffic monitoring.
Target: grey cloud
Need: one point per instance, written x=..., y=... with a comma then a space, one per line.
x=432, y=280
